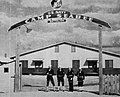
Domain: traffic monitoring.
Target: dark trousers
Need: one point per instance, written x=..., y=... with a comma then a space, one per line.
x=61, y=80
x=71, y=85
x=80, y=83
x=50, y=79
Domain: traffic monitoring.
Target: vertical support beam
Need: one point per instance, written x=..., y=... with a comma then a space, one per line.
x=119, y=82
x=100, y=62
x=17, y=64
x=20, y=72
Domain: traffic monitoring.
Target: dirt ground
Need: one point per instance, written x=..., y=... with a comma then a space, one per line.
x=54, y=94
x=35, y=82
x=33, y=86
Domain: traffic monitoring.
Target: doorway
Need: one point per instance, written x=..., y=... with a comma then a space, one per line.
x=54, y=65
x=75, y=65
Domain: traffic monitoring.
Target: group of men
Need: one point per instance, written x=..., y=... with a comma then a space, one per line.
x=60, y=77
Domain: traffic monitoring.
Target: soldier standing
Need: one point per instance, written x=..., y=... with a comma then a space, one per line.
x=70, y=75
x=80, y=77
x=60, y=77
x=50, y=73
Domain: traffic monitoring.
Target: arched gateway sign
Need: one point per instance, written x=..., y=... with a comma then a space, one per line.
x=59, y=16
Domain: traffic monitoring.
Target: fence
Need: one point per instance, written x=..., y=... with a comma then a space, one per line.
x=111, y=84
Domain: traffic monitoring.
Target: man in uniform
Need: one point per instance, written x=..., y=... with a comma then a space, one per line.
x=50, y=73
x=60, y=77
x=80, y=77
x=70, y=75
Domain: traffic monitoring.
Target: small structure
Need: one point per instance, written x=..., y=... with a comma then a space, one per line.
x=6, y=75
x=67, y=54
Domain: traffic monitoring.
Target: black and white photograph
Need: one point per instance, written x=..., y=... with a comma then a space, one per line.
x=59, y=48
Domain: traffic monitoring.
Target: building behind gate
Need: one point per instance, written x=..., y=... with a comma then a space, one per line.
x=67, y=54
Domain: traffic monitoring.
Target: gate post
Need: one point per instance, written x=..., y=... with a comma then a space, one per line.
x=100, y=62
x=17, y=63
x=119, y=82
x=20, y=74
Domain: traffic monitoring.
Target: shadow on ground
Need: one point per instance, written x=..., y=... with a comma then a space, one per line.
x=43, y=88
x=91, y=84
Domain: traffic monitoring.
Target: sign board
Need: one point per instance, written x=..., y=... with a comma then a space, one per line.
x=56, y=15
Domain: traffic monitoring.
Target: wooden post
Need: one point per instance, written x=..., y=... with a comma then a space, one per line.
x=116, y=90
x=17, y=64
x=119, y=82
x=17, y=71
x=108, y=80
x=100, y=62
x=20, y=74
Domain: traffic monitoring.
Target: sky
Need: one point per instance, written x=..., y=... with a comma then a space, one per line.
x=43, y=34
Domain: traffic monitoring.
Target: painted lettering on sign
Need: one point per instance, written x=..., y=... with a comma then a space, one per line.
x=56, y=20
x=59, y=14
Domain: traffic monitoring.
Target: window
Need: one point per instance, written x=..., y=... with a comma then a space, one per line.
x=24, y=63
x=92, y=65
x=73, y=48
x=54, y=63
x=6, y=70
x=108, y=63
x=37, y=63
x=56, y=49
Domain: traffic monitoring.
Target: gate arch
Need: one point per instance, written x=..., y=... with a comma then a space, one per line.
x=61, y=14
